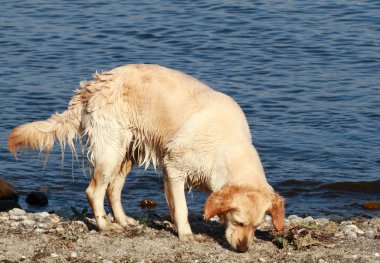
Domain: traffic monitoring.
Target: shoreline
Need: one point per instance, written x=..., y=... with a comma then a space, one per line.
x=44, y=237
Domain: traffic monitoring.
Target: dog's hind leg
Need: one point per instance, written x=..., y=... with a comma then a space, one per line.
x=105, y=168
x=114, y=195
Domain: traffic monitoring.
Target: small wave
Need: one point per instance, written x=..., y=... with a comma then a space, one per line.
x=370, y=187
x=299, y=186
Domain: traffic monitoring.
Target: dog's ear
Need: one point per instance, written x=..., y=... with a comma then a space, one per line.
x=216, y=204
x=277, y=212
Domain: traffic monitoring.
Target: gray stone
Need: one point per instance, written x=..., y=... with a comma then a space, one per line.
x=294, y=219
x=60, y=229
x=308, y=219
x=39, y=230
x=14, y=218
x=369, y=233
x=351, y=235
x=352, y=228
x=28, y=224
x=17, y=212
x=15, y=224
x=322, y=221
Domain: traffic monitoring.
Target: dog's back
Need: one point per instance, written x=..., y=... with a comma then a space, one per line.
x=159, y=110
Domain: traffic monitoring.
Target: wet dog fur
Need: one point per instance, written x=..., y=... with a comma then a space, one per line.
x=149, y=114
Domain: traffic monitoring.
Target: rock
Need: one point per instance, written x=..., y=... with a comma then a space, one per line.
x=351, y=231
x=41, y=214
x=41, y=225
x=15, y=224
x=39, y=230
x=4, y=218
x=375, y=223
x=372, y=205
x=322, y=221
x=54, y=219
x=7, y=191
x=351, y=235
x=73, y=254
x=148, y=203
x=338, y=234
x=369, y=233
x=17, y=212
x=37, y=199
x=60, y=229
x=15, y=218
x=308, y=219
x=28, y=224
x=6, y=205
x=294, y=219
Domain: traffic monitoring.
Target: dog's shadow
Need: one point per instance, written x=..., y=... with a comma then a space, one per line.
x=209, y=231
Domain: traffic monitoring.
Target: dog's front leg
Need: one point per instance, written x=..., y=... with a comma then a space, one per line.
x=175, y=196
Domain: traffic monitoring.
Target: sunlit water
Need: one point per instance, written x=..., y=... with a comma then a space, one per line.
x=307, y=75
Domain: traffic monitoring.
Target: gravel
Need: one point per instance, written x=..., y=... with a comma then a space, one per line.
x=44, y=237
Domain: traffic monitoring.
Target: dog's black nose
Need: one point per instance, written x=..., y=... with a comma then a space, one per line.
x=242, y=246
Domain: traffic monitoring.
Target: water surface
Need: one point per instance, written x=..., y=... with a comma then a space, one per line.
x=305, y=73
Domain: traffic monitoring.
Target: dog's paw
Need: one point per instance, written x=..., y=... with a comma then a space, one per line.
x=128, y=222
x=111, y=227
x=190, y=238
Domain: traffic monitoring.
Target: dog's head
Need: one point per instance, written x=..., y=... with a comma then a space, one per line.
x=243, y=208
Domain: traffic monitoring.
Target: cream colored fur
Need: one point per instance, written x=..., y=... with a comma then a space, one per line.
x=148, y=114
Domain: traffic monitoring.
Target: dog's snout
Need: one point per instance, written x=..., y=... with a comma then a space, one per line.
x=242, y=245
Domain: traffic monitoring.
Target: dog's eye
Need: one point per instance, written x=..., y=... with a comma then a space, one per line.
x=239, y=224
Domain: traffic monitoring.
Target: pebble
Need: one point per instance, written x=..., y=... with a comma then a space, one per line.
x=28, y=224
x=15, y=224
x=16, y=212
x=294, y=219
x=322, y=221
x=73, y=254
x=351, y=235
x=60, y=229
x=352, y=231
x=54, y=255
x=308, y=219
x=39, y=230
x=369, y=233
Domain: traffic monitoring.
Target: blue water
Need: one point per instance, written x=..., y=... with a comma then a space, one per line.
x=306, y=73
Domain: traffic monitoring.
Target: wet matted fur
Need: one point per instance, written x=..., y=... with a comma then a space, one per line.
x=149, y=114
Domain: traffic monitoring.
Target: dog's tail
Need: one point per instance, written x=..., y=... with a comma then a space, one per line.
x=40, y=135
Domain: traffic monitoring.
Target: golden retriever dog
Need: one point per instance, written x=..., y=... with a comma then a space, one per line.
x=149, y=114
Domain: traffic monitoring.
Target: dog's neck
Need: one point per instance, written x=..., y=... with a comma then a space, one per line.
x=242, y=166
